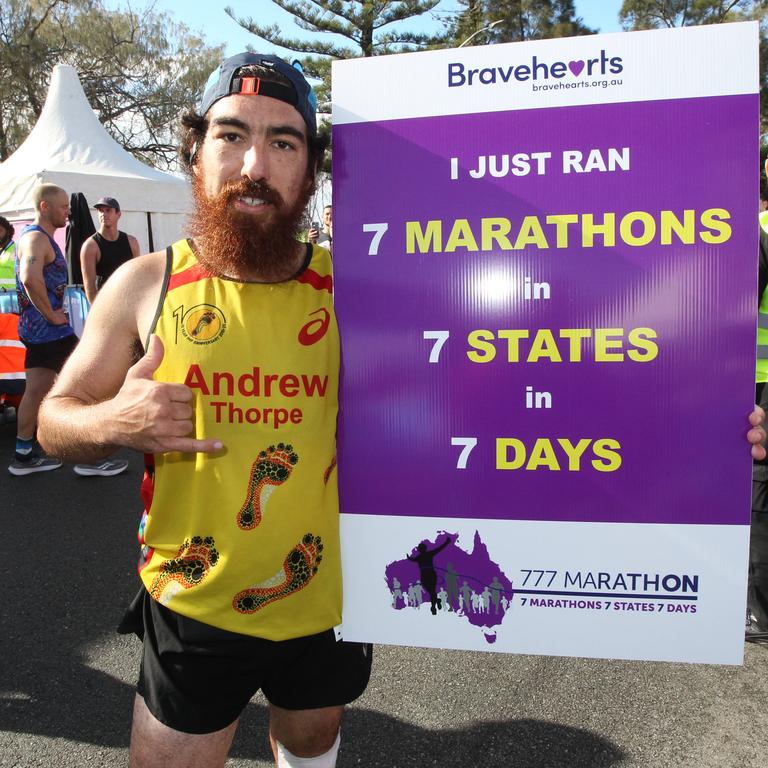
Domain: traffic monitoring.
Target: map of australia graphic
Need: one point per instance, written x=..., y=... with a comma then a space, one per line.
x=439, y=577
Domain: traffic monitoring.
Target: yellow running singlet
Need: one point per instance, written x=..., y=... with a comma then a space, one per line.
x=248, y=540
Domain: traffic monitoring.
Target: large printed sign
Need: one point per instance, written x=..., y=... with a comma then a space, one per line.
x=545, y=262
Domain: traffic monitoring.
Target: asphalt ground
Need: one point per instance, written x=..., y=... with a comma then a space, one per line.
x=67, y=679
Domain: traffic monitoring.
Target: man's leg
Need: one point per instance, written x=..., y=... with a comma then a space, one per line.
x=154, y=745
x=757, y=595
x=757, y=584
x=305, y=733
x=39, y=383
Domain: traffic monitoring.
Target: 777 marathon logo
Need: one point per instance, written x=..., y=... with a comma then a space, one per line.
x=443, y=578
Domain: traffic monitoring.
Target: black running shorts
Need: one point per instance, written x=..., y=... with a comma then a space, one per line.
x=50, y=354
x=196, y=678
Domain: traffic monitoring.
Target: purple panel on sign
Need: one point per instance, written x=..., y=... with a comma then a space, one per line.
x=594, y=269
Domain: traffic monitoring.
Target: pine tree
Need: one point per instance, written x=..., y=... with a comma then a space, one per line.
x=657, y=14
x=505, y=21
x=361, y=23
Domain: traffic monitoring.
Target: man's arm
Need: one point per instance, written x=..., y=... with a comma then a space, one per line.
x=89, y=258
x=34, y=253
x=105, y=397
x=134, y=243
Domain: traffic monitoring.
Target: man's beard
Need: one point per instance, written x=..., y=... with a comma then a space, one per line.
x=232, y=243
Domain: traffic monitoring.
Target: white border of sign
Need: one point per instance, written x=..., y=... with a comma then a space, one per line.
x=372, y=88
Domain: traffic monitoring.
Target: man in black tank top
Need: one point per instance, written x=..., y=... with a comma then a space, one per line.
x=106, y=250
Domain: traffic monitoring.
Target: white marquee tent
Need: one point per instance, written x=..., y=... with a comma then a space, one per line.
x=69, y=147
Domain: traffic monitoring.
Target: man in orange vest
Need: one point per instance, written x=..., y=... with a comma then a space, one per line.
x=11, y=349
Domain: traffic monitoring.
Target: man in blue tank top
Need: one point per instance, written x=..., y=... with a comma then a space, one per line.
x=41, y=280
x=107, y=249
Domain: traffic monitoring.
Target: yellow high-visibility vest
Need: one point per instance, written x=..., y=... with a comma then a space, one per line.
x=8, y=268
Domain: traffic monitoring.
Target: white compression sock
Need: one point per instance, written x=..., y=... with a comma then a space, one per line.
x=327, y=760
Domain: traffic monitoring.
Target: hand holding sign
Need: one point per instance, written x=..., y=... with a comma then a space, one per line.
x=756, y=435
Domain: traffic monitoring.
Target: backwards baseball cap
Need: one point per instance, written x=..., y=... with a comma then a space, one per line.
x=107, y=202
x=225, y=81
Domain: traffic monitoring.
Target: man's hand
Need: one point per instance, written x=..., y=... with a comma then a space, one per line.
x=313, y=234
x=153, y=416
x=756, y=435
x=57, y=317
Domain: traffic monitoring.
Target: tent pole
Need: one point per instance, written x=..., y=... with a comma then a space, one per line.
x=149, y=232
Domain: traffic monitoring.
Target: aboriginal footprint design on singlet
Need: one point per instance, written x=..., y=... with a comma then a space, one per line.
x=329, y=469
x=271, y=468
x=192, y=563
x=299, y=567
x=206, y=319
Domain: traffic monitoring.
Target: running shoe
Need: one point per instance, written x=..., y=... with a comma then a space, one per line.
x=106, y=468
x=753, y=632
x=32, y=462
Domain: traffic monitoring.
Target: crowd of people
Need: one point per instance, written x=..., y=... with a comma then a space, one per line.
x=239, y=560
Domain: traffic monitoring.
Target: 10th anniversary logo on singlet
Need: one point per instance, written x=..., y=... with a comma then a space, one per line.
x=201, y=324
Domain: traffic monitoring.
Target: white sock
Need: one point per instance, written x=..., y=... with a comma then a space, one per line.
x=327, y=760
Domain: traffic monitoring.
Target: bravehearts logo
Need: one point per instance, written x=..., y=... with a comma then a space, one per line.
x=459, y=75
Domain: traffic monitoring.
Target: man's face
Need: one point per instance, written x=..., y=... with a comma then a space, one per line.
x=327, y=216
x=3, y=236
x=256, y=138
x=108, y=216
x=250, y=185
x=56, y=209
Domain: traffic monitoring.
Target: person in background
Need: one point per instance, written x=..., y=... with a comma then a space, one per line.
x=107, y=249
x=7, y=256
x=324, y=236
x=756, y=629
x=41, y=279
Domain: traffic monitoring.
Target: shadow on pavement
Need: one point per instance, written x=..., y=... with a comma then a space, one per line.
x=68, y=573
x=376, y=740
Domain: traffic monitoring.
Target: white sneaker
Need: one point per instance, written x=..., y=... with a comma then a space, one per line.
x=106, y=468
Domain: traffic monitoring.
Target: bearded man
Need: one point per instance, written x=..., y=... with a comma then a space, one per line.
x=219, y=359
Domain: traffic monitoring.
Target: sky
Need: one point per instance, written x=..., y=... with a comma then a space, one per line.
x=209, y=19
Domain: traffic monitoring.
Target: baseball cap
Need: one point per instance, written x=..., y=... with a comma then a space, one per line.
x=224, y=81
x=107, y=202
